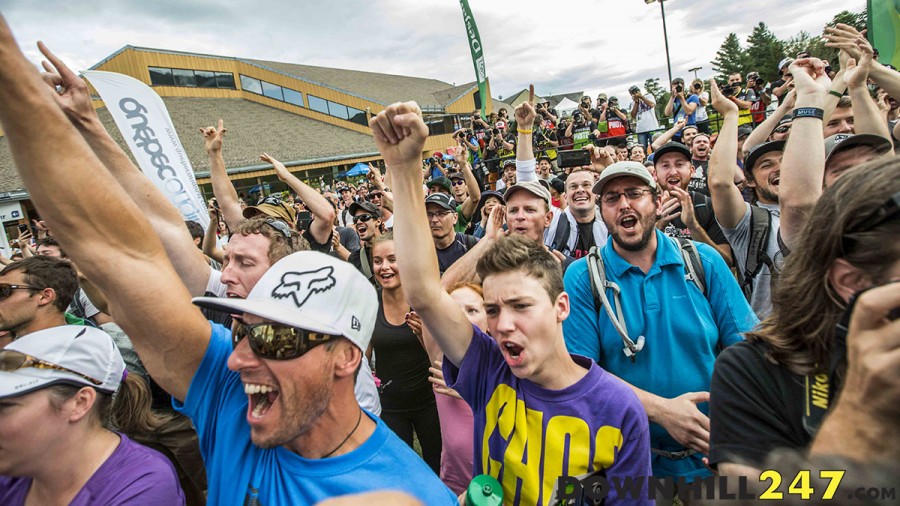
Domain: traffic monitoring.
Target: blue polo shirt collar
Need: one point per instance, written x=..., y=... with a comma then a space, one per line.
x=667, y=253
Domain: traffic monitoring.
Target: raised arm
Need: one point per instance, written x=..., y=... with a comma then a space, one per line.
x=461, y=154
x=867, y=119
x=759, y=134
x=668, y=134
x=223, y=189
x=145, y=294
x=727, y=199
x=210, y=242
x=167, y=222
x=400, y=134
x=321, y=227
x=804, y=153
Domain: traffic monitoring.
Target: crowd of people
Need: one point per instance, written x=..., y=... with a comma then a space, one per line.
x=542, y=300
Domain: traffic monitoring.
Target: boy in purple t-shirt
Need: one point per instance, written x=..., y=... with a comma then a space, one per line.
x=540, y=413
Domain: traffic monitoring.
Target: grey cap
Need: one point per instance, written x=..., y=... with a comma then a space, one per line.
x=624, y=169
x=842, y=142
x=441, y=199
x=533, y=187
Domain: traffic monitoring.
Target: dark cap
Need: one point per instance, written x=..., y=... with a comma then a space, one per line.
x=558, y=184
x=509, y=161
x=365, y=206
x=442, y=182
x=671, y=147
x=744, y=131
x=441, y=199
x=787, y=118
x=842, y=142
x=759, y=150
x=456, y=175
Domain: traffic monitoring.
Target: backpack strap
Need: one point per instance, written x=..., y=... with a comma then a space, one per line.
x=760, y=224
x=561, y=237
x=599, y=284
x=469, y=241
x=693, y=266
x=364, y=263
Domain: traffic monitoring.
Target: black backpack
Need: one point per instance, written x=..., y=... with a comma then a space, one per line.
x=760, y=224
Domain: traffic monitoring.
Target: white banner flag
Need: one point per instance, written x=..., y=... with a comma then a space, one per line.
x=144, y=121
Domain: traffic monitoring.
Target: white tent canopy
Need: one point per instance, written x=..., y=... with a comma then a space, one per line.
x=566, y=107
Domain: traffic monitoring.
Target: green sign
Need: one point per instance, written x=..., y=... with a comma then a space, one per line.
x=477, y=56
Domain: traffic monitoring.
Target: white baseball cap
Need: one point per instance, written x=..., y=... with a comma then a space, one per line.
x=82, y=356
x=311, y=291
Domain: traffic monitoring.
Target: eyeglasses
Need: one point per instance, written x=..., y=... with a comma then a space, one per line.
x=887, y=211
x=362, y=218
x=630, y=194
x=458, y=182
x=11, y=360
x=783, y=129
x=275, y=341
x=6, y=289
x=438, y=214
x=280, y=226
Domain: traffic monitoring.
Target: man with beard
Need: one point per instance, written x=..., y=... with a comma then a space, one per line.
x=277, y=418
x=756, y=253
x=684, y=327
x=700, y=148
x=686, y=213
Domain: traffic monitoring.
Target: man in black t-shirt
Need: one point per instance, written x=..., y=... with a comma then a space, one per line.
x=700, y=149
x=450, y=245
x=686, y=213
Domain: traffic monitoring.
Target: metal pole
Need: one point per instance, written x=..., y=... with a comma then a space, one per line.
x=666, y=38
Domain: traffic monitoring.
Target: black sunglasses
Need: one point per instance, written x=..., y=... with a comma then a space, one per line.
x=6, y=289
x=887, y=211
x=274, y=341
x=362, y=218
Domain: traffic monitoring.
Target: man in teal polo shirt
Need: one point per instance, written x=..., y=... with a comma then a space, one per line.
x=673, y=331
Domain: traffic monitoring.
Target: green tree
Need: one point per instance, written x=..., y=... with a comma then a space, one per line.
x=764, y=51
x=730, y=57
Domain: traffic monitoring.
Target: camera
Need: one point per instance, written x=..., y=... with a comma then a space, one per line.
x=728, y=90
x=679, y=88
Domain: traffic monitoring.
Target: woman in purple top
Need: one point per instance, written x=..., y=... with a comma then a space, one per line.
x=61, y=391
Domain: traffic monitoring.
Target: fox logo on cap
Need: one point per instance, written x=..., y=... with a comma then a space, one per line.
x=302, y=285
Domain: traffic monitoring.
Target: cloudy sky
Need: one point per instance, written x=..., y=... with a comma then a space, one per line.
x=560, y=46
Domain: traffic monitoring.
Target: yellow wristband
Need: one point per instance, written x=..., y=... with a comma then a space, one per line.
x=523, y=131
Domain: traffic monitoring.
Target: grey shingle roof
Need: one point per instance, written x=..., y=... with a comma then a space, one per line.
x=575, y=96
x=252, y=129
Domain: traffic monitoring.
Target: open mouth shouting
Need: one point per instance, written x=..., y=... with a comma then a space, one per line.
x=628, y=223
x=261, y=398
x=512, y=353
x=775, y=179
x=673, y=181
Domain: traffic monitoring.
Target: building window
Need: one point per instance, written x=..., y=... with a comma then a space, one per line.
x=184, y=77
x=161, y=77
x=338, y=110
x=251, y=85
x=318, y=104
x=194, y=78
x=272, y=91
x=293, y=97
x=357, y=116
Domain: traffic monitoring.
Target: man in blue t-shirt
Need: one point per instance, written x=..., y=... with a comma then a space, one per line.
x=540, y=414
x=671, y=330
x=681, y=105
x=273, y=400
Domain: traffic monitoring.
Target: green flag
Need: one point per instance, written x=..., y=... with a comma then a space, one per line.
x=884, y=30
x=477, y=56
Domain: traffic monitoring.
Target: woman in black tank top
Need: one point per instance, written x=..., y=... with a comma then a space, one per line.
x=407, y=398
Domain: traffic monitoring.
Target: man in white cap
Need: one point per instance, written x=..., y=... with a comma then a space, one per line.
x=275, y=411
x=672, y=328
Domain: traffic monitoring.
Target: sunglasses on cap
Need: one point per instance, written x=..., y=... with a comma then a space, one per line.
x=274, y=341
x=363, y=218
x=11, y=360
x=782, y=129
x=6, y=289
x=889, y=210
x=279, y=226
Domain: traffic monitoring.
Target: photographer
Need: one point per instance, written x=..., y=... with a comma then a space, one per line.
x=742, y=97
x=779, y=88
x=585, y=106
x=643, y=111
x=615, y=118
x=546, y=113
x=703, y=97
x=543, y=139
x=680, y=106
x=580, y=129
x=758, y=109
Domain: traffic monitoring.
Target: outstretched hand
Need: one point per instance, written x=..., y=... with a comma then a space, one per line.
x=525, y=115
x=71, y=91
x=600, y=158
x=858, y=69
x=719, y=101
x=214, y=136
x=280, y=170
x=400, y=134
x=810, y=77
